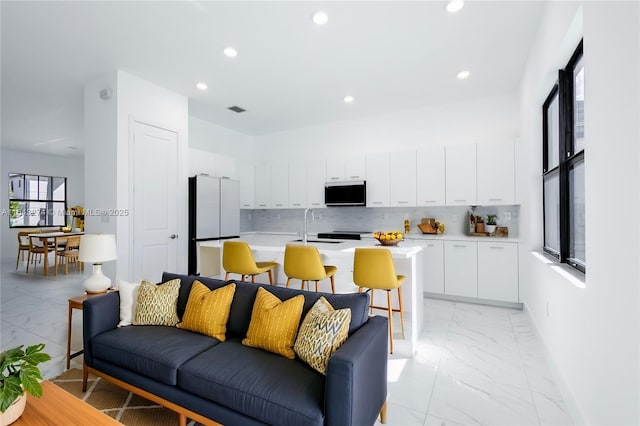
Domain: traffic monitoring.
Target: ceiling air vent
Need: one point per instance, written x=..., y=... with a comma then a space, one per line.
x=237, y=109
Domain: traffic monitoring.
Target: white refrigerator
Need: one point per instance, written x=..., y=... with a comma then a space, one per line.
x=214, y=213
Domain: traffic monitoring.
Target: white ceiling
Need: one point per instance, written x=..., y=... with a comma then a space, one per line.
x=289, y=73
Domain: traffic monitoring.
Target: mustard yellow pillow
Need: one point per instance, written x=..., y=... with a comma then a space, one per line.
x=207, y=311
x=274, y=323
x=322, y=332
x=157, y=304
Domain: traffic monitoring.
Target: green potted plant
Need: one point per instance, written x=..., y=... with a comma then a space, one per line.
x=490, y=226
x=18, y=375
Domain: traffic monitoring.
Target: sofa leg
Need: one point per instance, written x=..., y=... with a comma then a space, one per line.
x=183, y=419
x=383, y=413
x=85, y=377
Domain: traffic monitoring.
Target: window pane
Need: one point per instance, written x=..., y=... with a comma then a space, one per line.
x=552, y=212
x=576, y=213
x=553, y=135
x=31, y=187
x=16, y=186
x=44, y=186
x=578, y=107
x=59, y=188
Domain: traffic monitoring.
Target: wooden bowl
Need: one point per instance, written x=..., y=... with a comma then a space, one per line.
x=389, y=242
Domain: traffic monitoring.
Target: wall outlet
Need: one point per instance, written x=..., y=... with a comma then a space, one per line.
x=507, y=216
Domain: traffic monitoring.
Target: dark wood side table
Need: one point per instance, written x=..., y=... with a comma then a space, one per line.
x=76, y=303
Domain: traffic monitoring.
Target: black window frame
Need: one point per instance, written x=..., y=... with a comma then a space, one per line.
x=567, y=159
x=50, y=202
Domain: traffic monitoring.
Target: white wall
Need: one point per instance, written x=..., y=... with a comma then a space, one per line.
x=592, y=333
x=108, y=166
x=38, y=164
x=210, y=137
x=481, y=120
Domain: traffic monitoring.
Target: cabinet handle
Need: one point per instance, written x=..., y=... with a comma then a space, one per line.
x=495, y=199
x=354, y=177
x=335, y=178
x=296, y=204
x=403, y=202
x=431, y=245
x=315, y=204
x=279, y=205
x=459, y=201
x=262, y=205
x=246, y=205
x=429, y=201
x=460, y=245
x=497, y=248
x=376, y=202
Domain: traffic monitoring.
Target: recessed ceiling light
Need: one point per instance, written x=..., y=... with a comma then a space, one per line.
x=463, y=75
x=348, y=99
x=231, y=52
x=201, y=86
x=320, y=18
x=454, y=6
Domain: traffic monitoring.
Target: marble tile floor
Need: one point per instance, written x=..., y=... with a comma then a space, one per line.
x=474, y=365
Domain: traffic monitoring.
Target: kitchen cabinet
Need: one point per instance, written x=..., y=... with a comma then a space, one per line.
x=498, y=271
x=433, y=255
x=263, y=186
x=316, y=179
x=279, y=185
x=297, y=185
x=461, y=175
x=378, y=180
x=496, y=174
x=225, y=167
x=247, y=188
x=402, y=181
x=461, y=268
x=430, y=176
x=346, y=169
x=203, y=162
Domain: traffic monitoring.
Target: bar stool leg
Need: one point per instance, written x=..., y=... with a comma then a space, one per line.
x=333, y=285
x=253, y=278
x=390, y=321
x=401, y=310
x=288, y=281
x=226, y=276
x=316, y=286
x=371, y=304
x=270, y=277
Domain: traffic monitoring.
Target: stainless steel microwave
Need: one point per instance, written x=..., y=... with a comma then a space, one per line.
x=353, y=193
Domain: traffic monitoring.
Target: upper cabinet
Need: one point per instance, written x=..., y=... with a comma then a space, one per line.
x=263, y=186
x=279, y=185
x=461, y=175
x=316, y=178
x=297, y=184
x=341, y=169
x=208, y=163
x=430, y=182
x=247, y=188
x=402, y=169
x=378, y=180
x=496, y=174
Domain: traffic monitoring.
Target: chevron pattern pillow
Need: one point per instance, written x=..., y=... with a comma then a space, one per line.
x=157, y=304
x=322, y=332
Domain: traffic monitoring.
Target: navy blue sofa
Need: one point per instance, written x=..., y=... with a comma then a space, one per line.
x=204, y=379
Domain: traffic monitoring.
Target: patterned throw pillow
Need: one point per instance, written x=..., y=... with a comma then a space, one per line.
x=274, y=323
x=157, y=304
x=322, y=332
x=207, y=311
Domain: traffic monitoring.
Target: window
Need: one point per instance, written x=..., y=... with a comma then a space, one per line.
x=564, y=167
x=37, y=201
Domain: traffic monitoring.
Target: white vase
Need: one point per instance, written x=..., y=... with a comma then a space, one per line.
x=14, y=411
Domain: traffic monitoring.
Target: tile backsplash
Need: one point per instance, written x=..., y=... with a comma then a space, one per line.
x=372, y=219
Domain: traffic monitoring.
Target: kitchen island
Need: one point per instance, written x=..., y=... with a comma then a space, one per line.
x=407, y=259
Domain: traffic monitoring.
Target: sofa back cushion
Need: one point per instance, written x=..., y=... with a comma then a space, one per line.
x=242, y=305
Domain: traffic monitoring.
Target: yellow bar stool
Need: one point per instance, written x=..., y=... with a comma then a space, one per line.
x=237, y=258
x=304, y=263
x=373, y=268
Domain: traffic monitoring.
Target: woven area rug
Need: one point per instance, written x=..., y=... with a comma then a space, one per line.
x=126, y=407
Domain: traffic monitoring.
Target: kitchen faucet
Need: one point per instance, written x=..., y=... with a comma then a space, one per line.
x=313, y=218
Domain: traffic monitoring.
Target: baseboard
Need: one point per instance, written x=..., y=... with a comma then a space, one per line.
x=565, y=391
x=474, y=300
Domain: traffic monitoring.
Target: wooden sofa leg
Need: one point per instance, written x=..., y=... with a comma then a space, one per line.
x=183, y=420
x=383, y=413
x=85, y=377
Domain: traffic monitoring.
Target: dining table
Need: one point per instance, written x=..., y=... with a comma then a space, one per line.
x=57, y=237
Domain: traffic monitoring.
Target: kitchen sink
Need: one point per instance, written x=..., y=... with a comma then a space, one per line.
x=320, y=241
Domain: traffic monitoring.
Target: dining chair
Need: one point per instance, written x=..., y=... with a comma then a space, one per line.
x=36, y=249
x=23, y=245
x=373, y=268
x=69, y=254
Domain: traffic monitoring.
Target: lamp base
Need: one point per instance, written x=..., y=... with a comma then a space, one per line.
x=97, y=282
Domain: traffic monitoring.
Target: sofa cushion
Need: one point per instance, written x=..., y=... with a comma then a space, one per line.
x=274, y=323
x=208, y=310
x=156, y=304
x=262, y=385
x=153, y=351
x=322, y=332
x=240, y=314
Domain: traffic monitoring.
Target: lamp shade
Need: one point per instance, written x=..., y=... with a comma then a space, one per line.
x=97, y=248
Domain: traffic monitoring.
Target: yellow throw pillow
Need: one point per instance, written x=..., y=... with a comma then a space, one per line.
x=322, y=332
x=207, y=311
x=157, y=304
x=274, y=323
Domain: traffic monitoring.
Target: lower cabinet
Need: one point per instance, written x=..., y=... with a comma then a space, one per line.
x=498, y=271
x=433, y=267
x=461, y=268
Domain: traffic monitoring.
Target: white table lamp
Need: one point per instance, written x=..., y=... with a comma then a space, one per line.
x=97, y=249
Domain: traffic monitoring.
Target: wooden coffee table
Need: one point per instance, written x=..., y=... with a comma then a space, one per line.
x=58, y=407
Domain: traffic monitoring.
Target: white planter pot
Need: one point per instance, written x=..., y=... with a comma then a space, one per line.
x=490, y=228
x=14, y=411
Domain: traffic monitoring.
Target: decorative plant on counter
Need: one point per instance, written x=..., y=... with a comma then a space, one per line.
x=491, y=219
x=18, y=373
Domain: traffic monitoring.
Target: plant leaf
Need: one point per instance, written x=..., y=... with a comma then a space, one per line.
x=30, y=382
x=9, y=392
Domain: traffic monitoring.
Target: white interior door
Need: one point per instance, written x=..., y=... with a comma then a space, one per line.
x=155, y=201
